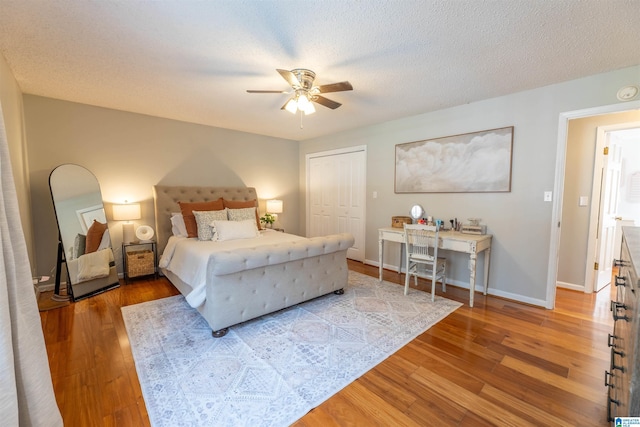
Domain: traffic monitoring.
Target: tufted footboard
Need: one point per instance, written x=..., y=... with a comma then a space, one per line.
x=249, y=283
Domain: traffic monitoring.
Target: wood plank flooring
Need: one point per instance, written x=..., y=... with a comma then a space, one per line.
x=500, y=363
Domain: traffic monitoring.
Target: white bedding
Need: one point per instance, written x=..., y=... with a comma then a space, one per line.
x=187, y=258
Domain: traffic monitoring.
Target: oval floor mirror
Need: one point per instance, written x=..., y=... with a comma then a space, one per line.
x=84, y=241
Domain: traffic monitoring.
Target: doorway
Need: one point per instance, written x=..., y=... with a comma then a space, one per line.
x=613, y=195
x=569, y=220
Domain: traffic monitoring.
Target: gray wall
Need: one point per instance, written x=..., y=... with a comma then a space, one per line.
x=129, y=153
x=520, y=220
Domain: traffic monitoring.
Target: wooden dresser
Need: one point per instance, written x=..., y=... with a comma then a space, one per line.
x=623, y=377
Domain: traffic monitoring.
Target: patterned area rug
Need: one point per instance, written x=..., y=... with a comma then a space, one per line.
x=273, y=370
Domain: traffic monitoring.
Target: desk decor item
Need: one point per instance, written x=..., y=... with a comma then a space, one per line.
x=399, y=221
x=468, y=163
x=144, y=233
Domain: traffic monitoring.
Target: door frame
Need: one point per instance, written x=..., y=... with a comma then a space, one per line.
x=556, y=215
x=346, y=150
x=596, y=194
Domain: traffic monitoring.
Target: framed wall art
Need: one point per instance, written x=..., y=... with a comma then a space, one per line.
x=468, y=163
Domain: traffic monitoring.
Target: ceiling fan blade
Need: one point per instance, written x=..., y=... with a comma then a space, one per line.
x=266, y=91
x=326, y=102
x=289, y=77
x=335, y=87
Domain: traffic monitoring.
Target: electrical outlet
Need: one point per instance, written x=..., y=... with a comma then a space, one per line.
x=548, y=196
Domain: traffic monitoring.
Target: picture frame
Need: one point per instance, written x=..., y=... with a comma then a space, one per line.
x=477, y=162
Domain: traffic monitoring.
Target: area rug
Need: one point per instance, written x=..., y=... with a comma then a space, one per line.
x=273, y=370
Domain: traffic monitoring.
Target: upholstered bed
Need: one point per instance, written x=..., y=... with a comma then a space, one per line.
x=243, y=280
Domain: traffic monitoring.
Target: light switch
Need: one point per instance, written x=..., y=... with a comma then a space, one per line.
x=375, y=195
x=548, y=196
x=584, y=201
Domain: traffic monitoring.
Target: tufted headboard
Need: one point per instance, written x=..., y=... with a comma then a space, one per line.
x=166, y=198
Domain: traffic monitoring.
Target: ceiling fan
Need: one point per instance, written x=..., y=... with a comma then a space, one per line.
x=305, y=93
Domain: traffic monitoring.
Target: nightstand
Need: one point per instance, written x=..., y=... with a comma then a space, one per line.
x=139, y=259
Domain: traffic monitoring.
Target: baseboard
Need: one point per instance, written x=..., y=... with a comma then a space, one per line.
x=571, y=286
x=47, y=286
x=479, y=288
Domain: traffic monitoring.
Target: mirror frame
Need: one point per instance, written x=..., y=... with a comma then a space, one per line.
x=87, y=206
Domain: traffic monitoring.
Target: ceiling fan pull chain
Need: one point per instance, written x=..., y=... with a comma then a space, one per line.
x=301, y=119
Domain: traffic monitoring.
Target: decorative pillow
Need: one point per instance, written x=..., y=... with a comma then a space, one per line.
x=233, y=230
x=205, y=219
x=237, y=204
x=241, y=214
x=79, y=245
x=187, y=209
x=94, y=236
x=178, y=228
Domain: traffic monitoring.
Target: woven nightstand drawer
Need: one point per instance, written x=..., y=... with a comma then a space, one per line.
x=140, y=263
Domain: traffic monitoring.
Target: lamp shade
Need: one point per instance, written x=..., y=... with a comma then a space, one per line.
x=274, y=206
x=291, y=106
x=126, y=212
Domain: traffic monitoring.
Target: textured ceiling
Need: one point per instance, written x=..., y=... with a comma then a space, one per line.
x=194, y=60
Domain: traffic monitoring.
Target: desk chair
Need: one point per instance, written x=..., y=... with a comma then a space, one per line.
x=421, y=250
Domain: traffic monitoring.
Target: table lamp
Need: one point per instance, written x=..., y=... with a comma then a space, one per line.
x=127, y=212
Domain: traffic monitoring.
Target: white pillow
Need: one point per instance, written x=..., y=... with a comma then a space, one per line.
x=178, y=228
x=204, y=219
x=232, y=230
x=106, y=240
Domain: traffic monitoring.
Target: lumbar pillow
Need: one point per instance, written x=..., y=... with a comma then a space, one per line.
x=190, y=220
x=232, y=230
x=204, y=219
x=94, y=236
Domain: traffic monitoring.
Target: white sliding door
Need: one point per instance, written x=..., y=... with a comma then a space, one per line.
x=336, y=194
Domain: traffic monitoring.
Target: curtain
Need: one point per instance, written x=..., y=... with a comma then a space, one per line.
x=26, y=390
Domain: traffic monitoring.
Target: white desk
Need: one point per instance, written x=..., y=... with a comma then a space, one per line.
x=471, y=244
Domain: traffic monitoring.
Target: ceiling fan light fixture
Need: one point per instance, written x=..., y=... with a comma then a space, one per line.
x=291, y=106
x=305, y=93
x=303, y=101
x=309, y=109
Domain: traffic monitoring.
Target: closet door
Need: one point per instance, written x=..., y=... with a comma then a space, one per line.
x=336, y=192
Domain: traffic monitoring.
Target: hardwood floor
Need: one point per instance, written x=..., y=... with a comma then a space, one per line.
x=500, y=363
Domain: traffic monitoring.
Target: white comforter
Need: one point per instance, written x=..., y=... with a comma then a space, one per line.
x=187, y=258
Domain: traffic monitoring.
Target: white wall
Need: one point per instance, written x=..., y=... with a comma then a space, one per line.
x=129, y=153
x=520, y=220
x=12, y=111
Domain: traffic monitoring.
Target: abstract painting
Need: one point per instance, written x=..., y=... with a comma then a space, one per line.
x=467, y=163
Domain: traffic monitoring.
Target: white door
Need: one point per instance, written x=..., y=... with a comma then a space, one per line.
x=336, y=194
x=605, y=243
x=321, y=171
